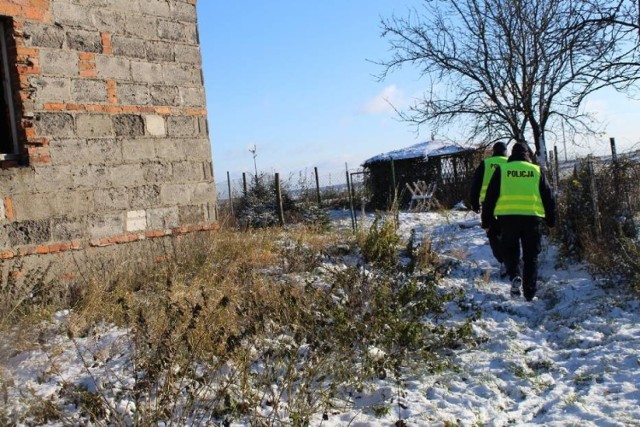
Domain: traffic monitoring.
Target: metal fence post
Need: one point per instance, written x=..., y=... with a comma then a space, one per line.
x=553, y=171
x=394, y=190
x=557, y=165
x=230, y=195
x=244, y=184
x=353, y=215
x=315, y=169
x=279, y=200
x=594, y=196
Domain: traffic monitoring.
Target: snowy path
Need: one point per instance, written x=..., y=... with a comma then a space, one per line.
x=570, y=357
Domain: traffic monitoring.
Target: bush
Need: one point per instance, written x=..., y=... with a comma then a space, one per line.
x=379, y=245
x=604, y=233
x=259, y=209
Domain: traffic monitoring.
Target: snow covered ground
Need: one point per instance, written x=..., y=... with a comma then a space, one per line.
x=569, y=357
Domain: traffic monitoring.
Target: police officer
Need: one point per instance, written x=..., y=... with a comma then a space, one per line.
x=479, y=185
x=519, y=198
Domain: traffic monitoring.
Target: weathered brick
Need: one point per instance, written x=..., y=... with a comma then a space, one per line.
x=188, y=55
x=198, y=149
x=191, y=214
x=127, y=46
x=133, y=94
x=86, y=151
x=164, y=95
x=185, y=12
x=136, y=220
x=144, y=197
x=91, y=176
x=126, y=175
x=182, y=126
x=172, y=30
x=84, y=90
x=176, y=194
x=204, y=192
x=106, y=225
x=131, y=6
x=113, y=19
x=188, y=171
x=155, y=125
x=28, y=232
x=138, y=149
x=94, y=125
x=52, y=178
x=144, y=72
x=170, y=149
x=157, y=172
x=58, y=62
x=203, y=126
x=44, y=35
x=51, y=89
x=212, y=211
x=208, y=170
x=84, y=41
x=145, y=27
x=155, y=8
x=66, y=229
x=179, y=74
x=192, y=96
x=178, y=31
x=72, y=15
x=159, y=51
x=162, y=218
x=129, y=125
x=110, y=67
x=111, y=199
x=54, y=125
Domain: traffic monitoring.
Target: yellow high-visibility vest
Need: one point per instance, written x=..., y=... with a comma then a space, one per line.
x=490, y=165
x=520, y=190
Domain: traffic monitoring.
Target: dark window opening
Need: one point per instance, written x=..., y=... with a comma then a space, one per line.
x=9, y=142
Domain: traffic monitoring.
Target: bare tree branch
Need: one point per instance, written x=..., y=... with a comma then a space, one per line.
x=507, y=69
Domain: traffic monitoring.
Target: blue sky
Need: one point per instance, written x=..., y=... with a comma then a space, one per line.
x=294, y=79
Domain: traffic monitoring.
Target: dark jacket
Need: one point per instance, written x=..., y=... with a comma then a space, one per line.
x=493, y=192
x=476, y=187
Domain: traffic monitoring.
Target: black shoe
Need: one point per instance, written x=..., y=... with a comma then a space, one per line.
x=516, y=284
x=503, y=270
x=529, y=293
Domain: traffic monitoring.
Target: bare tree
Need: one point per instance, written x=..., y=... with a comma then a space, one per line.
x=625, y=16
x=506, y=69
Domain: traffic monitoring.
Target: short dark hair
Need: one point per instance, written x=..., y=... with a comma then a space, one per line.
x=499, y=149
x=521, y=148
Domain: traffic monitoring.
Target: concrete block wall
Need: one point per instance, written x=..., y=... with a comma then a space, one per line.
x=112, y=117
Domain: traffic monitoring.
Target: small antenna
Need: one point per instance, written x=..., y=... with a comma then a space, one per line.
x=253, y=152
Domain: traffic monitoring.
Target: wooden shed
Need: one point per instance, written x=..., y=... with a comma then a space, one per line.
x=448, y=165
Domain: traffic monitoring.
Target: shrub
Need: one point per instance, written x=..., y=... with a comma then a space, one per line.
x=258, y=208
x=380, y=244
x=601, y=230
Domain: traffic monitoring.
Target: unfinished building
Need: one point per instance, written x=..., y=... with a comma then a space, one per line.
x=104, y=142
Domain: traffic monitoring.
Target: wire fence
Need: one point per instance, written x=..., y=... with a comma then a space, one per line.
x=352, y=190
x=346, y=190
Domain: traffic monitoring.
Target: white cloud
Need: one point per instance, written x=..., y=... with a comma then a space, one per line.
x=385, y=101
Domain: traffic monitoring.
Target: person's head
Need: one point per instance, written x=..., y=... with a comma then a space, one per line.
x=499, y=149
x=521, y=150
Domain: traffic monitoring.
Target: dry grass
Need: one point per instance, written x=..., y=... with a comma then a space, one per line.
x=217, y=306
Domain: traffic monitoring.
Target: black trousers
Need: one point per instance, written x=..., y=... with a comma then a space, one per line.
x=521, y=231
x=495, y=241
